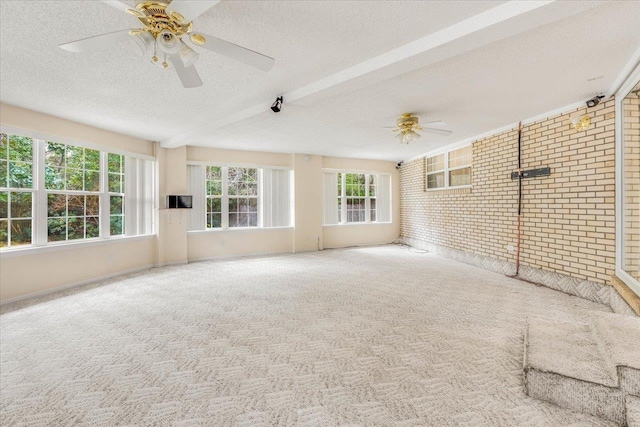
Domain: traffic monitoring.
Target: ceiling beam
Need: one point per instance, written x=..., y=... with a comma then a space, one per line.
x=396, y=61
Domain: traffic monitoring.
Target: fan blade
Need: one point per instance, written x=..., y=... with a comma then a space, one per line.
x=120, y=5
x=236, y=52
x=188, y=75
x=436, y=123
x=96, y=42
x=437, y=131
x=190, y=9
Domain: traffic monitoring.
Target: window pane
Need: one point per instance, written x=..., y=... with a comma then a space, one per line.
x=115, y=205
x=435, y=180
x=75, y=205
x=214, y=173
x=75, y=157
x=20, y=148
x=93, y=227
x=4, y=205
x=116, y=225
x=214, y=188
x=92, y=160
x=57, y=229
x=233, y=220
x=372, y=185
x=54, y=154
x=216, y=220
x=114, y=163
x=20, y=205
x=4, y=233
x=76, y=228
x=56, y=205
x=20, y=175
x=460, y=157
x=435, y=163
x=253, y=220
x=20, y=232
x=4, y=146
x=92, y=181
x=372, y=210
x=54, y=178
x=233, y=205
x=4, y=172
x=115, y=185
x=460, y=177
x=92, y=205
x=75, y=179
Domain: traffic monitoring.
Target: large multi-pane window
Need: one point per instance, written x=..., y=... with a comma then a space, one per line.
x=237, y=197
x=351, y=197
x=356, y=197
x=450, y=169
x=16, y=184
x=54, y=192
x=232, y=197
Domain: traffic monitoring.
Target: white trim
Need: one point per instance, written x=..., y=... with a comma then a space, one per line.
x=497, y=131
x=626, y=76
x=69, y=245
x=360, y=223
x=458, y=187
x=237, y=165
x=236, y=229
x=624, y=89
x=76, y=284
x=70, y=141
x=228, y=257
x=370, y=172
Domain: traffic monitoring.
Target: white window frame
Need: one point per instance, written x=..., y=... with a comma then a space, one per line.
x=39, y=234
x=622, y=92
x=224, y=199
x=446, y=170
x=367, y=199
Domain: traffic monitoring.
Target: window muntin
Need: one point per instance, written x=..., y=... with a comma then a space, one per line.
x=450, y=169
x=16, y=198
x=71, y=168
x=72, y=216
x=356, y=197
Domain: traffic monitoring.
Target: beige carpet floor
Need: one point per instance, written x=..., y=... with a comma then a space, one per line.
x=381, y=336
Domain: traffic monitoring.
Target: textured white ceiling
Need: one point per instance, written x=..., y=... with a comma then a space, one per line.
x=476, y=84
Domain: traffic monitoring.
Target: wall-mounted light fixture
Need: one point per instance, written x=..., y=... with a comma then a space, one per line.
x=580, y=123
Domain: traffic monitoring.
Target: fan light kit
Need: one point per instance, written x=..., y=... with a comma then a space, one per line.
x=166, y=27
x=408, y=125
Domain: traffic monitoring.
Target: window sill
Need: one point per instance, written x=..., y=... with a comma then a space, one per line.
x=357, y=224
x=237, y=229
x=458, y=189
x=63, y=246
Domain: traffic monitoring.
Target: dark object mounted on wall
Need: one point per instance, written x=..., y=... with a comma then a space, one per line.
x=277, y=105
x=179, y=202
x=594, y=101
x=532, y=173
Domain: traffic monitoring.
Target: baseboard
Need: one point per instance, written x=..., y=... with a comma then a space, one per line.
x=234, y=256
x=75, y=284
x=596, y=292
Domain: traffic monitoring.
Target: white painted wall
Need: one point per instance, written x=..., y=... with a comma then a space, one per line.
x=30, y=271
x=35, y=271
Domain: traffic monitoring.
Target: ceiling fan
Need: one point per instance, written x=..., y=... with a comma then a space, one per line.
x=166, y=27
x=408, y=125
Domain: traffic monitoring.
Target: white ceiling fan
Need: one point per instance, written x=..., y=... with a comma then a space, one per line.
x=408, y=125
x=166, y=27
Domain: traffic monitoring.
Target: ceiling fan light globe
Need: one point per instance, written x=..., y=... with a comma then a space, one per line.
x=168, y=42
x=142, y=40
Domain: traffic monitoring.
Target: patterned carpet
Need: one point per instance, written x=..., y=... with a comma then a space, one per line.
x=381, y=336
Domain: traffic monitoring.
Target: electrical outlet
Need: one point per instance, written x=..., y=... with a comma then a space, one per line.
x=221, y=242
x=112, y=256
x=511, y=248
